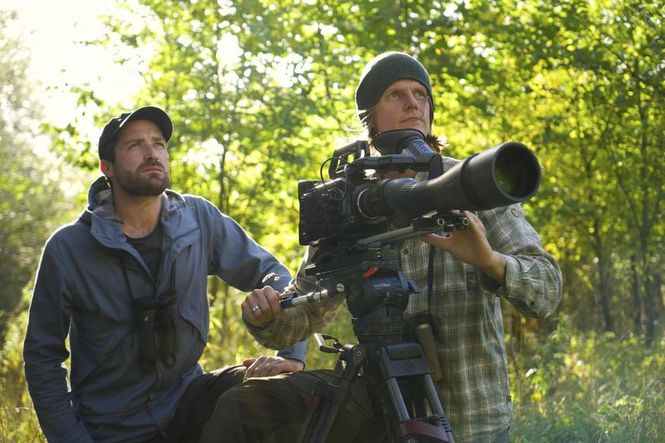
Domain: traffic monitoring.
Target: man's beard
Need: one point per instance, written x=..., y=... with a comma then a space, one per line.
x=133, y=184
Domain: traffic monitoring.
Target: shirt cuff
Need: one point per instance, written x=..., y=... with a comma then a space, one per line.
x=296, y=351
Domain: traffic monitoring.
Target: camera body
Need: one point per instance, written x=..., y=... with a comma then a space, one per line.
x=357, y=203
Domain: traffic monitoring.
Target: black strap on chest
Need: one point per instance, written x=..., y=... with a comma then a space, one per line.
x=155, y=317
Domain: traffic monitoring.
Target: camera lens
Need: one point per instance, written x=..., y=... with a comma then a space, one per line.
x=514, y=173
x=507, y=178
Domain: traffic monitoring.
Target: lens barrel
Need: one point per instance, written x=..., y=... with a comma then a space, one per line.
x=505, y=174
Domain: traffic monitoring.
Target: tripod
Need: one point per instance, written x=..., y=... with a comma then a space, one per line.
x=397, y=372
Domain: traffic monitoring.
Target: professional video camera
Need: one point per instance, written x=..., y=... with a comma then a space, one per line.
x=350, y=220
x=355, y=203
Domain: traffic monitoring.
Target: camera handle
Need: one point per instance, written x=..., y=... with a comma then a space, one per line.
x=447, y=222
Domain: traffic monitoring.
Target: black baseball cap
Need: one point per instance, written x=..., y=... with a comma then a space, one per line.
x=110, y=132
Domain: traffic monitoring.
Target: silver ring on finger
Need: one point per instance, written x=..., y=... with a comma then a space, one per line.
x=255, y=308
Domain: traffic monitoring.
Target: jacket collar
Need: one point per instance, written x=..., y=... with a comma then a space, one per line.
x=105, y=226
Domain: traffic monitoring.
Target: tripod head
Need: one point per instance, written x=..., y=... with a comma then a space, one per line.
x=368, y=273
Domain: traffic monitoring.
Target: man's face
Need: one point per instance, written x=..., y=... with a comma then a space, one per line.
x=403, y=105
x=141, y=160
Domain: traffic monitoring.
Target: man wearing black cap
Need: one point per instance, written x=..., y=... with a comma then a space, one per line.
x=461, y=279
x=127, y=283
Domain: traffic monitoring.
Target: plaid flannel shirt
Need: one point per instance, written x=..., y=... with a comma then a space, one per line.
x=466, y=315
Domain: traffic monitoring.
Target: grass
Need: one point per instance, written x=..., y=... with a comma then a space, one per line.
x=569, y=387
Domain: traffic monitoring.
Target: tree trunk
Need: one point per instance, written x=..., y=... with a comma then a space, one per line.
x=657, y=288
x=638, y=306
x=604, y=284
x=652, y=305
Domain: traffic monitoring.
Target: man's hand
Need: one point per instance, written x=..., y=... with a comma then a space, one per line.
x=261, y=307
x=471, y=246
x=265, y=366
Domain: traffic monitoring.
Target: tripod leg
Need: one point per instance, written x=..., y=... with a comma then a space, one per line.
x=406, y=363
x=327, y=398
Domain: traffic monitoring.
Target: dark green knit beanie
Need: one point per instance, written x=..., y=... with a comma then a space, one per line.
x=383, y=71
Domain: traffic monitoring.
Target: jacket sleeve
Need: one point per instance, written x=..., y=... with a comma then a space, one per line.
x=299, y=322
x=533, y=282
x=44, y=352
x=244, y=264
x=234, y=256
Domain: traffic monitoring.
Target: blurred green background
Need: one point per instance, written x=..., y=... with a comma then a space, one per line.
x=261, y=92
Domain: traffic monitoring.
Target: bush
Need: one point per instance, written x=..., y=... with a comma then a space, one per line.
x=570, y=387
x=18, y=422
x=590, y=388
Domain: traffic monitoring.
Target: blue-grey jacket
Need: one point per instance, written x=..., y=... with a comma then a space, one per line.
x=85, y=283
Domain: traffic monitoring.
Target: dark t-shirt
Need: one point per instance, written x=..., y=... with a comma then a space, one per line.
x=150, y=248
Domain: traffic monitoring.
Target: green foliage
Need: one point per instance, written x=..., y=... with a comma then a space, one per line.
x=32, y=190
x=18, y=422
x=589, y=388
x=572, y=387
x=37, y=193
x=261, y=92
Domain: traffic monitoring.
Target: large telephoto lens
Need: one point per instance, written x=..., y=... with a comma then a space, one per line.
x=506, y=174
